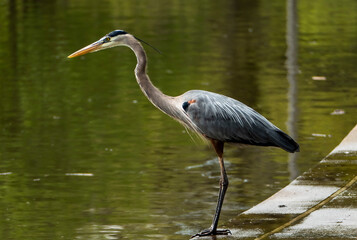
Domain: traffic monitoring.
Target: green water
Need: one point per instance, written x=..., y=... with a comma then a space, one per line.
x=84, y=155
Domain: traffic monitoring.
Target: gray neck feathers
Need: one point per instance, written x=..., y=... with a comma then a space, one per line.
x=163, y=102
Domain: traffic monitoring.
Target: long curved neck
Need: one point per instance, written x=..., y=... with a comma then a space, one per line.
x=160, y=100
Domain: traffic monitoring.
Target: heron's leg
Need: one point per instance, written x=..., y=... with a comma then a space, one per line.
x=223, y=185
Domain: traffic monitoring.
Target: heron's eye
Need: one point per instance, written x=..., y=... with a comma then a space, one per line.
x=107, y=39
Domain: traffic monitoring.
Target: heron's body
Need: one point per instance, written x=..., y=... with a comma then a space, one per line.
x=216, y=117
x=225, y=119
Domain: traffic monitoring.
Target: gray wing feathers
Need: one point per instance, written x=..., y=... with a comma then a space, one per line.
x=226, y=119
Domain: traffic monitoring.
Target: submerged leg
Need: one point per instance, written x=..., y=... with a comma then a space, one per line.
x=223, y=185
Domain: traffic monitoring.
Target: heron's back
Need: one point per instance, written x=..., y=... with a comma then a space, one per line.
x=228, y=120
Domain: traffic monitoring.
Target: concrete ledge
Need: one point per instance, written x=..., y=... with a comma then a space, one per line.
x=320, y=204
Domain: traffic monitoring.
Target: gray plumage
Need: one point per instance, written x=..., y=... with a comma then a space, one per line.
x=228, y=120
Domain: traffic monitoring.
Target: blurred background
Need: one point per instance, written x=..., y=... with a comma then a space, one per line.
x=83, y=153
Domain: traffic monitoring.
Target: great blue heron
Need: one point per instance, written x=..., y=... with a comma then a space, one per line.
x=218, y=118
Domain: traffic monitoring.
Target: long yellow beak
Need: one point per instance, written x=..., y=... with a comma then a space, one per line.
x=88, y=49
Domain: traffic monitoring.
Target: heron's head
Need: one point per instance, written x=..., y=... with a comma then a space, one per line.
x=112, y=39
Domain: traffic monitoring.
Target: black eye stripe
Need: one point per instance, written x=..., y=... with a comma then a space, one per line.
x=116, y=33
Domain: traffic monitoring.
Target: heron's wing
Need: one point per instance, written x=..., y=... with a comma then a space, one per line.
x=226, y=119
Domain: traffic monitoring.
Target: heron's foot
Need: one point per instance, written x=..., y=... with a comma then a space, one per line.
x=211, y=232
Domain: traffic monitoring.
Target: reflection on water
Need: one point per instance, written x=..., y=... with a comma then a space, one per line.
x=84, y=155
x=292, y=73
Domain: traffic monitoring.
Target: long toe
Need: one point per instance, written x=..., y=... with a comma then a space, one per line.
x=210, y=232
x=223, y=232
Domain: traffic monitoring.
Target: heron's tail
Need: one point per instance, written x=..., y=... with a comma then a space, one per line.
x=284, y=141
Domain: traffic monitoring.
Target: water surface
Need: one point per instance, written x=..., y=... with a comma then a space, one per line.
x=84, y=155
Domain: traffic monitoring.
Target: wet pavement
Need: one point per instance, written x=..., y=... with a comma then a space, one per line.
x=320, y=204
